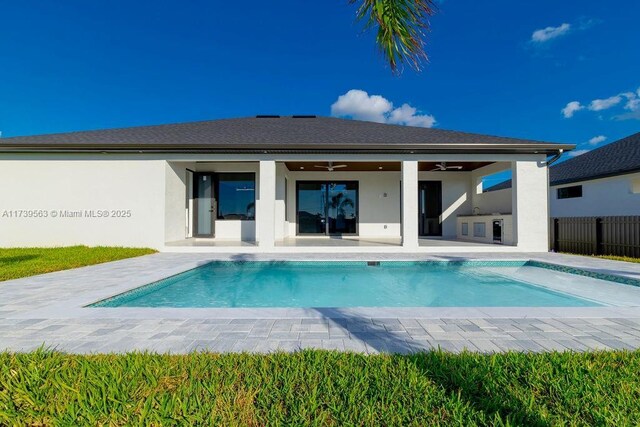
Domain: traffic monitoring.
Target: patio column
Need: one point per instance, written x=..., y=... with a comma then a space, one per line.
x=410, y=204
x=530, y=205
x=265, y=215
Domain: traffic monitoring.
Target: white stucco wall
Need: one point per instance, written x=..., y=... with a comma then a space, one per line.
x=281, y=224
x=60, y=186
x=495, y=202
x=615, y=196
x=176, y=201
x=530, y=205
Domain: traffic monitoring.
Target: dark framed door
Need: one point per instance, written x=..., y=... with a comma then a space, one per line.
x=327, y=207
x=342, y=204
x=430, y=208
x=204, y=200
x=311, y=207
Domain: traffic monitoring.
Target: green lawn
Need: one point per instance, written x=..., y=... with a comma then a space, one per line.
x=619, y=258
x=22, y=262
x=611, y=257
x=320, y=388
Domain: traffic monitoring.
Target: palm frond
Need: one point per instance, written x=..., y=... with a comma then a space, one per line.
x=401, y=28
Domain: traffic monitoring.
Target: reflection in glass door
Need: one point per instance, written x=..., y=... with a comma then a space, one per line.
x=342, y=207
x=327, y=207
x=205, y=205
x=312, y=207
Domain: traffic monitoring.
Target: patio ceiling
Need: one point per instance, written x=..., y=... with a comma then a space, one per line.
x=376, y=166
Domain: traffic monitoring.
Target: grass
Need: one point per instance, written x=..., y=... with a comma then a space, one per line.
x=23, y=262
x=619, y=258
x=320, y=388
x=611, y=257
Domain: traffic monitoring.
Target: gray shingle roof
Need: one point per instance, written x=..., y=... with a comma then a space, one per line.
x=618, y=158
x=271, y=133
x=499, y=186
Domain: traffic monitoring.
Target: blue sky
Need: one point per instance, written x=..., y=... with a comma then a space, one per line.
x=84, y=65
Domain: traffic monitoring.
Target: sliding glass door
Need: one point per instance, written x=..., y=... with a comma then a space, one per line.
x=327, y=207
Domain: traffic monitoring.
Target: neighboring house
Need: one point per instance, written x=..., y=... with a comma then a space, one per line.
x=601, y=182
x=270, y=183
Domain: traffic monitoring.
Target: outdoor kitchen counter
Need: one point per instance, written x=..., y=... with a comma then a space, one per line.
x=480, y=228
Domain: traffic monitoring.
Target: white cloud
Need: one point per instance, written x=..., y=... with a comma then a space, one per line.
x=632, y=105
x=571, y=108
x=359, y=105
x=597, y=139
x=576, y=153
x=633, y=100
x=407, y=115
x=603, y=104
x=546, y=34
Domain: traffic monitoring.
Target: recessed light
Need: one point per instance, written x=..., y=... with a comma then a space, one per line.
x=379, y=167
x=301, y=167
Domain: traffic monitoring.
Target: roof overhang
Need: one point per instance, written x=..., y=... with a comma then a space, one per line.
x=534, y=148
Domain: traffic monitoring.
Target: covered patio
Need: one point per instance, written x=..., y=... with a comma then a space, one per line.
x=361, y=203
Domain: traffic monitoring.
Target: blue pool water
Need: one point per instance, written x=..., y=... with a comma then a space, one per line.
x=348, y=284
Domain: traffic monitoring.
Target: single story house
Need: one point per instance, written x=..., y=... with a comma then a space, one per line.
x=274, y=184
x=601, y=182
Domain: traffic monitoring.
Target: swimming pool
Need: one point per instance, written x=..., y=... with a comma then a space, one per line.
x=355, y=284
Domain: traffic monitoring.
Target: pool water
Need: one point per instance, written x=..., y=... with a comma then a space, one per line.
x=348, y=284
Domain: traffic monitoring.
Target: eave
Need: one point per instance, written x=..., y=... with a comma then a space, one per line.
x=534, y=148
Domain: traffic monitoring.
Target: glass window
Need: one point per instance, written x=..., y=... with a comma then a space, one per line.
x=635, y=186
x=236, y=195
x=465, y=228
x=570, y=192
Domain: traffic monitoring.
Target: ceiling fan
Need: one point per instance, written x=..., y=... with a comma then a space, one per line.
x=443, y=167
x=331, y=166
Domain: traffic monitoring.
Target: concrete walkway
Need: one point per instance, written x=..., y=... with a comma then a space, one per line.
x=50, y=310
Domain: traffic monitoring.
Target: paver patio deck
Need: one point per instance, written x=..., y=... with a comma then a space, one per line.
x=50, y=310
